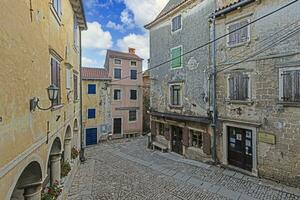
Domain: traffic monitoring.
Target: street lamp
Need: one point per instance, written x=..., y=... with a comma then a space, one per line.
x=52, y=91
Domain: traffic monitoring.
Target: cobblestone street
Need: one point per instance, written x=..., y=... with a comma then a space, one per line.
x=125, y=169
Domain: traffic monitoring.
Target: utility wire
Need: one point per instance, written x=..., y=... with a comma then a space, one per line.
x=293, y=33
x=218, y=38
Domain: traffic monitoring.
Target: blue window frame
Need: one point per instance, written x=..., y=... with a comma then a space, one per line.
x=91, y=89
x=91, y=113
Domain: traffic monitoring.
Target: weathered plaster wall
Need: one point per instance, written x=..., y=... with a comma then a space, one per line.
x=101, y=101
x=194, y=33
x=25, y=73
x=279, y=161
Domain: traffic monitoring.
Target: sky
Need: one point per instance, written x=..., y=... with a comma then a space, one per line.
x=117, y=25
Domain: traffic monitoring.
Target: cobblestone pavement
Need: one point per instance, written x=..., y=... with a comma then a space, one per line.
x=126, y=169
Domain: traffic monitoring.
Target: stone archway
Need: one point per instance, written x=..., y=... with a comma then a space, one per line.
x=54, y=162
x=75, y=140
x=68, y=144
x=29, y=184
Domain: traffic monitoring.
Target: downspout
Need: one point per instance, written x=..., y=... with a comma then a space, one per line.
x=214, y=87
x=82, y=157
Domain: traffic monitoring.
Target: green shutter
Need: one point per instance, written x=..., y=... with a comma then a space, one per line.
x=176, y=59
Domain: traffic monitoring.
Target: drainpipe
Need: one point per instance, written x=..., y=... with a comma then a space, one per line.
x=214, y=91
x=82, y=157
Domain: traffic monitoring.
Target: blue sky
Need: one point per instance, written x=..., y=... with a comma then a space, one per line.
x=117, y=24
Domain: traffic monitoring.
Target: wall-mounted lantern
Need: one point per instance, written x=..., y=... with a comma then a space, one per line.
x=52, y=95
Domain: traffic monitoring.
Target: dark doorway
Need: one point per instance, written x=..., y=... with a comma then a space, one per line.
x=177, y=139
x=117, y=126
x=240, y=148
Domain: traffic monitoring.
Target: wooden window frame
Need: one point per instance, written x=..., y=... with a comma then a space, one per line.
x=228, y=31
x=130, y=97
x=114, y=94
x=171, y=95
x=136, y=117
x=249, y=89
x=117, y=63
x=135, y=74
x=116, y=68
x=296, y=98
x=75, y=86
x=173, y=30
x=57, y=80
x=199, y=137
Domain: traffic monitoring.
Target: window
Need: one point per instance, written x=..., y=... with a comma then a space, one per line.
x=133, y=95
x=75, y=32
x=118, y=62
x=133, y=63
x=91, y=113
x=117, y=73
x=56, y=4
x=68, y=78
x=196, y=139
x=132, y=115
x=91, y=88
x=55, y=79
x=133, y=74
x=289, y=81
x=175, y=95
x=239, y=88
x=176, y=23
x=176, y=57
x=161, y=129
x=117, y=94
x=75, y=80
x=240, y=36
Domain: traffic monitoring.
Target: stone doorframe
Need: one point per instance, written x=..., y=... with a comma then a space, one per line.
x=243, y=125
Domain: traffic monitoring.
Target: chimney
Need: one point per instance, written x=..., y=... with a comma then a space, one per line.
x=131, y=50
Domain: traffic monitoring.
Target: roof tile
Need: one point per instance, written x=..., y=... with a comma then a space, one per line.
x=94, y=73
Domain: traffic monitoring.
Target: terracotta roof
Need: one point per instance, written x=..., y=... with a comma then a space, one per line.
x=223, y=4
x=122, y=55
x=94, y=73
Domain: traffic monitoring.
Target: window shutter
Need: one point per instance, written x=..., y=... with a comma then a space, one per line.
x=68, y=78
x=153, y=128
x=206, y=143
x=176, y=59
x=297, y=85
x=185, y=137
x=287, y=86
x=245, y=87
x=231, y=87
x=244, y=31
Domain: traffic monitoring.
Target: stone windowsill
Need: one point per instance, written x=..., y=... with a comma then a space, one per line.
x=243, y=102
x=289, y=104
x=175, y=107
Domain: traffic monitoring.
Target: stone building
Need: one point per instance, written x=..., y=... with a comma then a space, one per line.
x=125, y=69
x=179, y=96
x=146, y=102
x=40, y=46
x=96, y=104
x=258, y=99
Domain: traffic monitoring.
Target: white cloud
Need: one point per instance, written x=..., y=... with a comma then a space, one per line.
x=87, y=62
x=115, y=26
x=145, y=11
x=95, y=37
x=127, y=19
x=139, y=42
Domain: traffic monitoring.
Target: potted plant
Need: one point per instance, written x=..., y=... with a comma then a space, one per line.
x=52, y=192
x=65, y=169
x=74, y=153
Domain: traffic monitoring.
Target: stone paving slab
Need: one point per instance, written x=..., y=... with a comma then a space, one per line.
x=126, y=169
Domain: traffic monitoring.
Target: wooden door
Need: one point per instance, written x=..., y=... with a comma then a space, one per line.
x=117, y=126
x=177, y=139
x=240, y=148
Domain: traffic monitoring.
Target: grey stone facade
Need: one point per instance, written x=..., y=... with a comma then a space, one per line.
x=263, y=112
x=192, y=76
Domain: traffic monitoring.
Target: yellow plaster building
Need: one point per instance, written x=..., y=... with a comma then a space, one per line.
x=39, y=46
x=96, y=105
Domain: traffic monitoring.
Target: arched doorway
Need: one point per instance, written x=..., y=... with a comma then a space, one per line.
x=67, y=144
x=54, y=163
x=29, y=184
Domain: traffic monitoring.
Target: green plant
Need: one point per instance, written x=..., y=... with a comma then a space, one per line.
x=52, y=192
x=65, y=169
x=74, y=153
